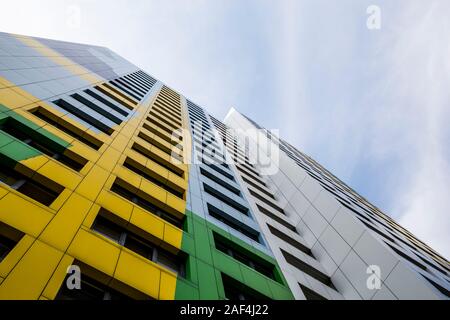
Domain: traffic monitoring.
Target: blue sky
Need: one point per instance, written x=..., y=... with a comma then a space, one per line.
x=370, y=105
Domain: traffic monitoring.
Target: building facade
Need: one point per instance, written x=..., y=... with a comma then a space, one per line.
x=115, y=186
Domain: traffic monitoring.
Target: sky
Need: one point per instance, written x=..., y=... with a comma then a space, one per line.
x=371, y=105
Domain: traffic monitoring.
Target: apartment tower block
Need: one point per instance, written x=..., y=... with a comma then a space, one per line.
x=112, y=180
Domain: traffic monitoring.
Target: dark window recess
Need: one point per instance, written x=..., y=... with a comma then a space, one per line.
x=217, y=169
x=143, y=151
x=310, y=294
x=9, y=237
x=124, y=89
x=306, y=268
x=254, y=185
x=132, y=87
x=96, y=285
x=106, y=102
x=291, y=241
x=35, y=189
x=218, y=195
x=276, y=218
x=269, y=203
x=142, y=171
x=443, y=290
x=167, y=114
x=142, y=86
x=171, y=151
x=162, y=136
x=156, y=117
x=66, y=127
x=163, y=126
x=243, y=165
x=107, y=93
x=123, y=189
x=235, y=290
x=408, y=258
x=144, y=247
x=90, y=290
x=251, y=176
x=244, y=256
x=431, y=264
x=120, y=93
x=377, y=231
x=219, y=181
x=42, y=143
x=84, y=116
x=233, y=223
x=96, y=108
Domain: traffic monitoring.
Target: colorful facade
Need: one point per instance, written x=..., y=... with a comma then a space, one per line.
x=105, y=168
x=88, y=179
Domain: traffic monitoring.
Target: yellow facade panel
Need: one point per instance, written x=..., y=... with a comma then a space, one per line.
x=11, y=260
x=115, y=204
x=24, y=215
x=67, y=221
x=172, y=236
x=95, y=250
x=57, y=279
x=168, y=286
x=30, y=276
x=147, y=222
x=138, y=273
x=93, y=182
x=60, y=174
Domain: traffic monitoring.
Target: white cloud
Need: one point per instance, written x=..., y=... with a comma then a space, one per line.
x=373, y=106
x=419, y=77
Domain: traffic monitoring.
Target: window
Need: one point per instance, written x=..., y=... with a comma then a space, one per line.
x=66, y=127
x=37, y=188
x=146, y=248
x=96, y=108
x=244, y=256
x=443, y=290
x=9, y=237
x=227, y=200
x=219, y=181
x=42, y=143
x=122, y=87
x=290, y=240
x=235, y=290
x=119, y=93
x=306, y=268
x=233, y=223
x=310, y=294
x=216, y=168
x=63, y=104
x=145, y=173
x=90, y=290
x=123, y=189
x=163, y=136
x=407, y=257
x=96, y=286
x=269, y=203
x=106, y=102
x=169, y=150
x=254, y=185
x=276, y=218
x=143, y=151
x=107, y=93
